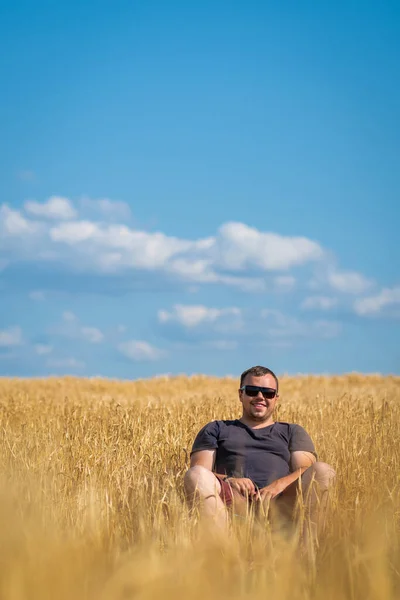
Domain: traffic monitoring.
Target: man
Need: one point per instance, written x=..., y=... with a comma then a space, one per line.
x=255, y=459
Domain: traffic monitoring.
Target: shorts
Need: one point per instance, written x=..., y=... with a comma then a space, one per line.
x=226, y=493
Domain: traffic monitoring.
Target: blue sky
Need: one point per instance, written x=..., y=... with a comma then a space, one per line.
x=199, y=187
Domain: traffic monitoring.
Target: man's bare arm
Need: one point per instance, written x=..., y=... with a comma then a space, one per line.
x=203, y=458
x=300, y=461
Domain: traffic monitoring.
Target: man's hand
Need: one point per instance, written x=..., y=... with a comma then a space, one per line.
x=277, y=487
x=243, y=485
x=272, y=490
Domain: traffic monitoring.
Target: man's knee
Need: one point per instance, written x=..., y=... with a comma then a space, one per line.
x=199, y=478
x=324, y=475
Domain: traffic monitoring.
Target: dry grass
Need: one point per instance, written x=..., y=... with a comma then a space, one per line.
x=91, y=502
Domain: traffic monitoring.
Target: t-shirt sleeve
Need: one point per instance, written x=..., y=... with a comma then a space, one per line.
x=207, y=438
x=300, y=440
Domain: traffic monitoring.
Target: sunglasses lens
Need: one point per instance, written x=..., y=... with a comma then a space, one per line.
x=252, y=391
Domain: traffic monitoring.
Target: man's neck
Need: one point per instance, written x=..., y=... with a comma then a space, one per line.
x=256, y=424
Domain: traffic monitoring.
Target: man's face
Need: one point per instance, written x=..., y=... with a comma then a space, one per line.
x=258, y=408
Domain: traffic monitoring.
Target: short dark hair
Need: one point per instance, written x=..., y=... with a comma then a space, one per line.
x=259, y=371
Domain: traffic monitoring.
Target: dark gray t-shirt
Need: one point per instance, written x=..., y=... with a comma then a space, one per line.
x=262, y=455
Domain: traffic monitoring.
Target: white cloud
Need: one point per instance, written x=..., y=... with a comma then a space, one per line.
x=42, y=349
x=280, y=325
x=139, y=350
x=193, y=315
x=68, y=316
x=349, y=282
x=72, y=328
x=107, y=247
x=240, y=246
x=65, y=363
x=12, y=336
x=236, y=256
x=197, y=270
x=56, y=207
x=387, y=299
x=111, y=248
x=13, y=224
x=74, y=232
x=318, y=303
x=285, y=283
x=108, y=209
x=92, y=335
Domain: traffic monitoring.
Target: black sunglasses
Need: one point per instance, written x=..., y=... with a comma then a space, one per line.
x=252, y=391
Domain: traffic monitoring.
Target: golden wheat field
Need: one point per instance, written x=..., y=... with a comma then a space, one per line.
x=92, y=506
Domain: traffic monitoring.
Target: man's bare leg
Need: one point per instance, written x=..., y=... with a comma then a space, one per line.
x=203, y=488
